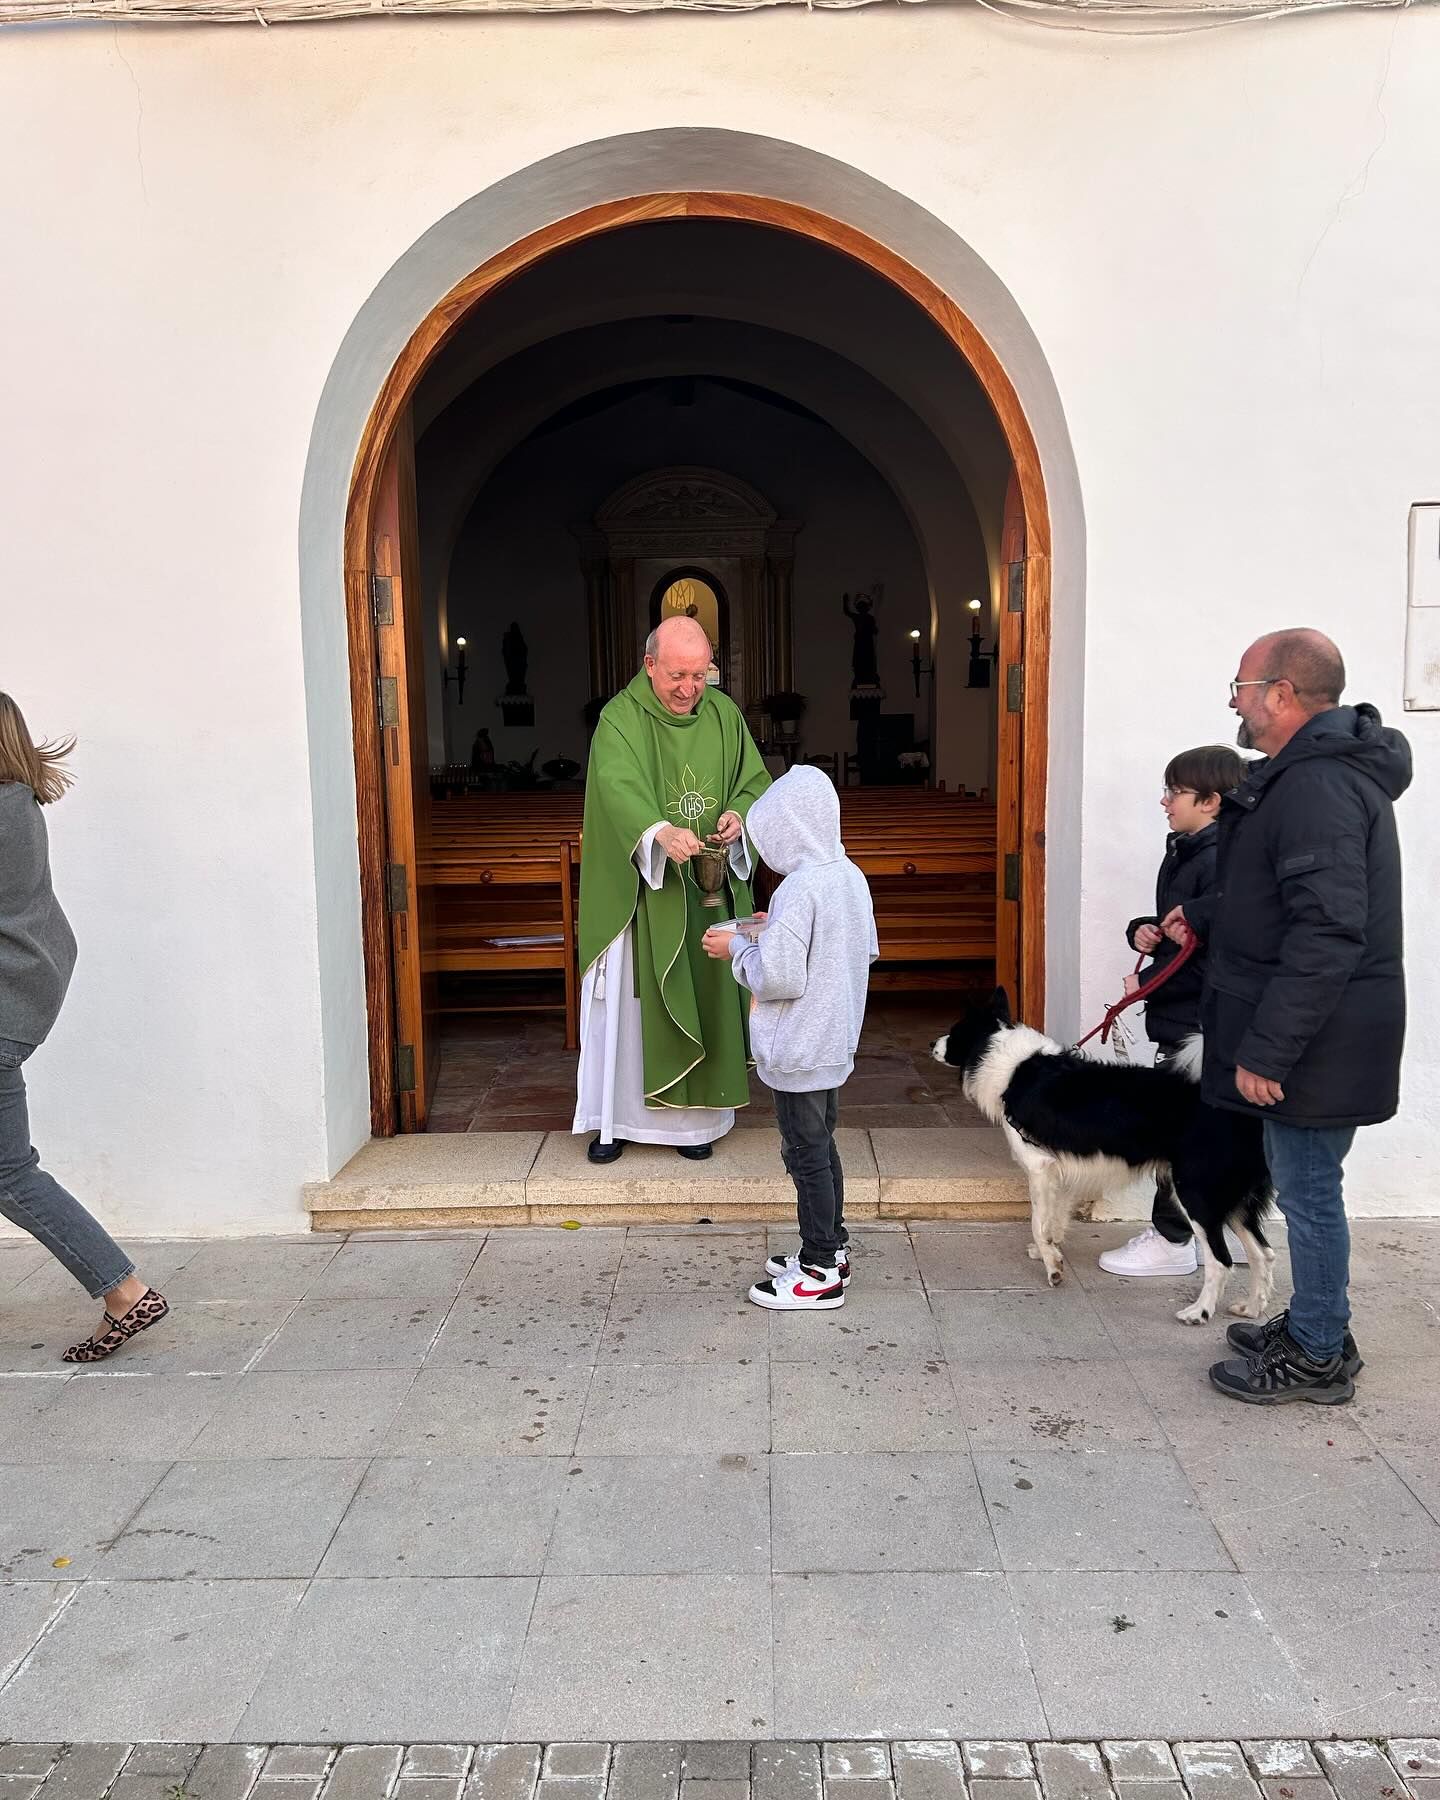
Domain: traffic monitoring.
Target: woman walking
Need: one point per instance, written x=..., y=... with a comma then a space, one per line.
x=37, y=954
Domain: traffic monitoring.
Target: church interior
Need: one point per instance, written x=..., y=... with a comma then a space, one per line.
x=730, y=421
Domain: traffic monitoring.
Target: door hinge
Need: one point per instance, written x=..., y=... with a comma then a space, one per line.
x=1012, y=874
x=397, y=887
x=1015, y=596
x=1015, y=687
x=389, y=701
x=382, y=599
x=405, y=1068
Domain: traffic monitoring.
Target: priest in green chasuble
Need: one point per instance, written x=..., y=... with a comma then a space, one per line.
x=663, y=1041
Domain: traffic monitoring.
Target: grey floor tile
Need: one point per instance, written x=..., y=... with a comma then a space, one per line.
x=375, y=1661
x=413, y=1268
x=1197, y=1417
x=646, y=1656
x=320, y=1413
x=20, y=1257
x=1422, y=1477
x=26, y=1609
x=846, y=1662
x=1140, y=1319
x=1326, y=1506
x=672, y=1327
x=135, y=1660
x=158, y=1262
x=875, y=1324
x=520, y=1329
x=130, y=1418
x=490, y=1412
x=1367, y=1645
x=980, y=1257
x=865, y=1406
x=902, y=1512
x=390, y=1333
x=882, y=1258
x=705, y=1262
x=637, y=1411
x=1392, y=1253
x=533, y=1260
x=661, y=1515
x=69, y=1510
x=251, y=1271
x=1015, y=1325
x=1113, y=1509
x=453, y=1515
x=23, y=1399
x=255, y=1520
x=1390, y=1323
x=197, y=1340
x=1154, y=1655
x=1397, y=1402
x=1076, y=1405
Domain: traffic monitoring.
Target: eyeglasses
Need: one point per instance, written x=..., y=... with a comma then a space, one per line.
x=1170, y=793
x=1259, y=681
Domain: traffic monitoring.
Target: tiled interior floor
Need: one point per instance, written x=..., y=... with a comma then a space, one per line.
x=512, y=1072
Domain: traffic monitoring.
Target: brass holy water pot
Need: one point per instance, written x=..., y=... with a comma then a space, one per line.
x=708, y=868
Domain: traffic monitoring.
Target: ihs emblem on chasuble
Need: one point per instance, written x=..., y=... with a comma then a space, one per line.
x=691, y=803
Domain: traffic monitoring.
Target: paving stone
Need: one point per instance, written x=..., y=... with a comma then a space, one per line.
x=720, y=1760
x=297, y=1761
x=928, y=1769
x=1279, y=1757
x=1139, y=1759
x=86, y=1771
x=856, y=1762
x=1297, y=1787
x=1424, y=1787
x=1150, y=1790
x=161, y=1759
x=843, y=1788
x=147, y=1787
x=1412, y=1756
x=997, y=1759
x=785, y=1771
x=503, y=1772
x=989, y=1787
x=430, y=1787
x=28, y=1759
x=366, y=1772
x=435, y=1759
x=290, y=1787
x=226, y=1772
x=571, y=1787
x=19, y=1787
x=644, y=1772
x=1072, y=1772
x=1216, y=1771
x=716, y=1790
x=1359, y=1771
x=575, y=1759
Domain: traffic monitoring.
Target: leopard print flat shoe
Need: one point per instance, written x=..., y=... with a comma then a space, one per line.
x=148, y=1310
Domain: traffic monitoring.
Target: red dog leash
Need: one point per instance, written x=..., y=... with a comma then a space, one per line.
x=1187, y=949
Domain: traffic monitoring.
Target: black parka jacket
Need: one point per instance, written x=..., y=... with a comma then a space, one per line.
x=1187, y=873
x=1305, y=983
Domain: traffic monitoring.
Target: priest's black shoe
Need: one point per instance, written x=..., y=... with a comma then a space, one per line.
x=597, y=1152
x=696, y=1152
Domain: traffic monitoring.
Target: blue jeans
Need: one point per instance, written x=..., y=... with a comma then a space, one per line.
x=37, y=1203
x=1306, y=1165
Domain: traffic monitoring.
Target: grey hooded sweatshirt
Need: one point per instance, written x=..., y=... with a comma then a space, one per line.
x=810, y=969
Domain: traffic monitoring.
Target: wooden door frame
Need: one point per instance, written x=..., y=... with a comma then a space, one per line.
x=396, y=393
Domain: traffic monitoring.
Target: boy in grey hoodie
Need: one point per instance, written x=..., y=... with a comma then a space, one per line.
x=809, y=971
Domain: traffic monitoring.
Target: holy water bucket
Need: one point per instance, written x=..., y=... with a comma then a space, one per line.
x=708, y=868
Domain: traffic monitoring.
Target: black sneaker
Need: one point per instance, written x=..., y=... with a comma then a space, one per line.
x=1250, y=1340
x=776, y=1265
x=1283, y=1372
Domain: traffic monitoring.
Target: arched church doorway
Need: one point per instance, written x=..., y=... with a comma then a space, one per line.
x=562, y=454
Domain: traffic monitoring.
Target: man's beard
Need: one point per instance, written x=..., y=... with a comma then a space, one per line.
x=1244, y=738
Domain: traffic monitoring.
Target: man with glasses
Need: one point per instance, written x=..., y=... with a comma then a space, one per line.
x=1304, y=1003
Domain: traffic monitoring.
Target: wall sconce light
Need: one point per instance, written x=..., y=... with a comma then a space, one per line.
x=918, y=666
x=459, y=676
x=978, y=675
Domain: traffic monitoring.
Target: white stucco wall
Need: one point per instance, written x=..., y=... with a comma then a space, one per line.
x=1209, y=259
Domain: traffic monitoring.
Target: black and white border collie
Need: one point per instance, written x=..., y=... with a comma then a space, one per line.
x=1077, y=1126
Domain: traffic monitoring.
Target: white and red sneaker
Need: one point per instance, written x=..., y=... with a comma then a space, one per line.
x=800, y=1288
x=777, y=1265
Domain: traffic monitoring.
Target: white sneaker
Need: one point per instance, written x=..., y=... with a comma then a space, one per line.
x=1150, y=1254
x=800, y=1289
x=777, y=1265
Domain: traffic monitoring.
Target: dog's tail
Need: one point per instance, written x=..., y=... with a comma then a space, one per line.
x=1188, y=1058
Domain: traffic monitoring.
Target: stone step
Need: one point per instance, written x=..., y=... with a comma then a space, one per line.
x=543, y=1178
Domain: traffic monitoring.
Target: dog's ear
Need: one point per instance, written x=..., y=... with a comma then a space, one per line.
x=1001, y=1004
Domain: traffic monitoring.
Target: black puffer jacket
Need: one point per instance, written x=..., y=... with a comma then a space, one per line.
x=1187, y=873
x=1306, y=982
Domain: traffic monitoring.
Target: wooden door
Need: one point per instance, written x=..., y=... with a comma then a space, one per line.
x=404, y=746
x=1009, y=766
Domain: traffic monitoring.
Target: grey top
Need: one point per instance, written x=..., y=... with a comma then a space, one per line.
x=37, y=946
x=810, y=968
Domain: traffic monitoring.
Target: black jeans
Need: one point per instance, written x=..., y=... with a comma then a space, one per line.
x=807, y=1143
x=1167, y=1215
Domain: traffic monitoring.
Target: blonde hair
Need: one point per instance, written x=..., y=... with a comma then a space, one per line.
x=39, y=766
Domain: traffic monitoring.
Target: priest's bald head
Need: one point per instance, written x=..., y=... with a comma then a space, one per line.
x=677, y=655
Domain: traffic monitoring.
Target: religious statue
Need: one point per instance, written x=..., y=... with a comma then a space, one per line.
x=864, y=666
x=517, y=658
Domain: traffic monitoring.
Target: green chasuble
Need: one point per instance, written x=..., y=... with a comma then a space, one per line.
x=649, y=765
